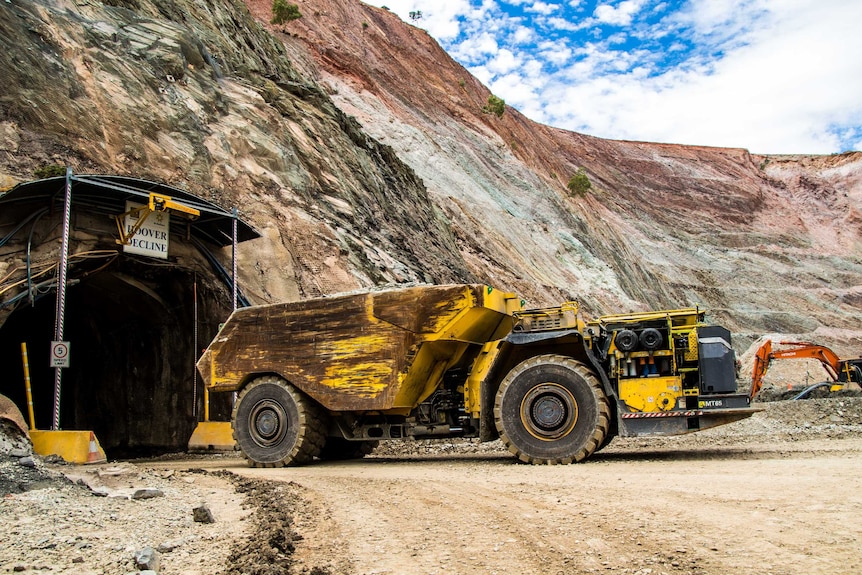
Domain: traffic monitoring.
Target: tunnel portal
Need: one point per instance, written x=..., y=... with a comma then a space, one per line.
x=135, y=324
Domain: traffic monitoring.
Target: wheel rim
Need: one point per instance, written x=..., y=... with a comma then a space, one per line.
x=267, y=423
x=549, y=411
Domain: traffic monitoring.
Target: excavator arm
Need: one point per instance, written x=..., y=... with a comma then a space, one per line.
x=798, y=350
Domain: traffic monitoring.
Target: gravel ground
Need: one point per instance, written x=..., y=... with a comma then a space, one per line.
x=107, y=518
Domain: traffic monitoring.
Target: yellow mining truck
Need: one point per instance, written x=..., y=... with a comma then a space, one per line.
x=330, y=377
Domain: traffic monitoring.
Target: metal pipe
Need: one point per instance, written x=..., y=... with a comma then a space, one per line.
x=27, y=385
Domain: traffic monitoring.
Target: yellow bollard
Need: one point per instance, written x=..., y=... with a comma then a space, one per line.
x=27, y=385
x=206, y=404
x=72, y=446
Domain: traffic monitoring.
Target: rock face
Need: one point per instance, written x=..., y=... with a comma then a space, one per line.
x=769, y=244
x=360, y=151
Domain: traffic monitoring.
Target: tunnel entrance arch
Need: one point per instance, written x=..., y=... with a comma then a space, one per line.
x=136, y=324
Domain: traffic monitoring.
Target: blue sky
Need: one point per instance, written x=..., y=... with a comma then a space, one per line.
x=772, y=76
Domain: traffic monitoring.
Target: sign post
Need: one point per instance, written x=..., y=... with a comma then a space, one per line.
x=61, y=293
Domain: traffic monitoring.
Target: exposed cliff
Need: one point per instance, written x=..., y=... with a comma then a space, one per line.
x=199, y=95
x=421, y=185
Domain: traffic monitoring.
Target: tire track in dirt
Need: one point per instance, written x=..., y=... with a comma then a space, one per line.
x=774, y=510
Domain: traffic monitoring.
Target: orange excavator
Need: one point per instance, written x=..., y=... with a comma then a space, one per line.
x=842, y=372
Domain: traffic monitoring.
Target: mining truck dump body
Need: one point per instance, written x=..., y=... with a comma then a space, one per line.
x=372, y=351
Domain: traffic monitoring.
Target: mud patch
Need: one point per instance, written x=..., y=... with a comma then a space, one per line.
x=20, y=470
x=269, y=550
x=16, y=477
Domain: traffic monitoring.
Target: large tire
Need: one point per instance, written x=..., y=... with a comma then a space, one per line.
x=551, y=409
x=608, y=438
x=275, y=425
x=338, y=449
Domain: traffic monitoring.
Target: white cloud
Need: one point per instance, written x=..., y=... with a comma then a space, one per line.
x=773, y=76
x=475, y=48
x=779, y=93
x=557, y=52
x=542, y=8
x=620, y=15
x=567, y=25
x=523, y=35
x=503, y=62
x=440, y=19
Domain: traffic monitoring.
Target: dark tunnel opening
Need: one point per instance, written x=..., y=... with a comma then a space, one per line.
x=133, y=345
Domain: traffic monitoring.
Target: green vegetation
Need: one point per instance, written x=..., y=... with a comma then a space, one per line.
x=579, y=184
x=495, y=106
x=282, y=12
x=416, y=15
x=49, y=171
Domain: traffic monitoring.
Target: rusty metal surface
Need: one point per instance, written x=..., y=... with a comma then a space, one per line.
x=353, y=352
x=10, y=412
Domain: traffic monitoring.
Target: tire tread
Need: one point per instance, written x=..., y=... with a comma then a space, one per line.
x=603, y=418
x=311, y=433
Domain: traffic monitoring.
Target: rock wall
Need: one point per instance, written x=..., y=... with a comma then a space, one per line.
x=199, y=95
x=768, y=244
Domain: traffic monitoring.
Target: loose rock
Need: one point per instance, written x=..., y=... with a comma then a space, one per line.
x=27, y=462
x=147, y=493
x=147, y=559
x=202, y=514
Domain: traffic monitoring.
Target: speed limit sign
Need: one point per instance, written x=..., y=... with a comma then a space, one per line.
x=59, y=354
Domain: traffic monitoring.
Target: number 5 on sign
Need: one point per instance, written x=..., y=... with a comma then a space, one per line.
x=59, y=354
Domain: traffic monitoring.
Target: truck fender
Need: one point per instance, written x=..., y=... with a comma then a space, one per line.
x=544, y=337
x=514, y=348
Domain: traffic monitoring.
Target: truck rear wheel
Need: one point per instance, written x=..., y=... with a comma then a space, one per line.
x=275, y=425
x=551, y=409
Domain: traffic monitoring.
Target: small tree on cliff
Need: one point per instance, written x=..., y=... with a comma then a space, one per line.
x=579, y=184
x=282, y=12
x=495, y=106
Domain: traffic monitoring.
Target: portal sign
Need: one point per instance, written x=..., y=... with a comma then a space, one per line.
x=151, y=239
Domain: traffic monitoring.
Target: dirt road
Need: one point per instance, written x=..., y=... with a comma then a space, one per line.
x=786, y=507
x=775, y=494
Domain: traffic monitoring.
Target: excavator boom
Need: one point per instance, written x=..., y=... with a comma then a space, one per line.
x=797, y=350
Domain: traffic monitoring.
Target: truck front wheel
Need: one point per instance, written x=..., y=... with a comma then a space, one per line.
x=551, y=409
x=275, y=425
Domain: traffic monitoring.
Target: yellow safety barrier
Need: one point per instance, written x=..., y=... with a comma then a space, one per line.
x=72, y=446
x=211, y=435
